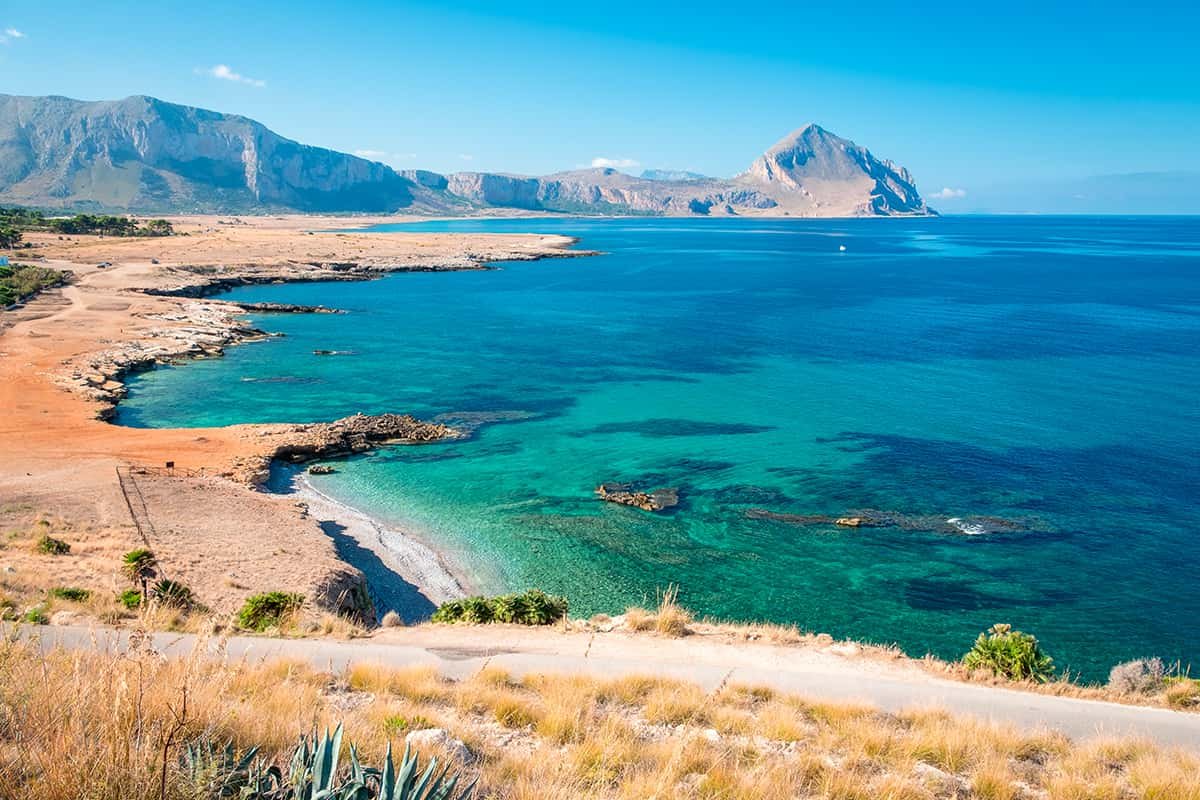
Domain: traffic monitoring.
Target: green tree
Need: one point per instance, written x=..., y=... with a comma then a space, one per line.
x=140, y=566
x=9, y=236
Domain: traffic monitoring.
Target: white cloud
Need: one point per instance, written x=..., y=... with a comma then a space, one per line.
x=466, y=156
x=950, y=194
x=383, y=155
x=10, y=34
x=223, y=72
x=619, y=163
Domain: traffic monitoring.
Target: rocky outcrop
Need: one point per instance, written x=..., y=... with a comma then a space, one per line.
x=286, y=308
x=360, y=433
x=625, y=494
x=199, y=330
x=872, y=518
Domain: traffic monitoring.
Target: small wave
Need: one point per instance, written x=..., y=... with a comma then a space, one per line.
x=969, y=528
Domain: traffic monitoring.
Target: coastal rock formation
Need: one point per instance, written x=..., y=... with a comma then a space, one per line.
x=359, y=433
x=872, y=518
x=199, y=330
x=143, y=154
x=625, y=494
x=286, y=308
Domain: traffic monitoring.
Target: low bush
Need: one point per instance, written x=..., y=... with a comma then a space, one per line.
x=1139, y=676
x=533, y=607
x=268, y=610
x=172, y=593
x=72, y=593
x=1183, y=692
x=52, y=547
x=36, y=616
x=130, y=598
x=1010, y=654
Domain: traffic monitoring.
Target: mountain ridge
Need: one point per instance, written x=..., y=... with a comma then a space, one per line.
x=143, y=154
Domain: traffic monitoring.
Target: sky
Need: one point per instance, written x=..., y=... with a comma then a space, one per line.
x=971, y=100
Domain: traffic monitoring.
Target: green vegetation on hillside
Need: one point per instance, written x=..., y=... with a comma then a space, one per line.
x=23, y=280
x=16, y=219
x=1010, y=654
x=534, y=607
x=268, y=610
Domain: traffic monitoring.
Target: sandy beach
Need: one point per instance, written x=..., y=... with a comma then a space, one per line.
x=136, y=302
x=405, y=574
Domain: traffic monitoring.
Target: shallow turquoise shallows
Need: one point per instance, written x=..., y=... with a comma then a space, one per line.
x=1044, y=372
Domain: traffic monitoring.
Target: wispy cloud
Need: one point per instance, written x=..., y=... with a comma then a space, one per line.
x=384, y=155
x=10, y=34
x=466, y=156
x=618, y=163
x=949, y=194
x=223, y=72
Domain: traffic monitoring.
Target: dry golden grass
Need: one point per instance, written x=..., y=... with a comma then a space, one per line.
x=97, y=725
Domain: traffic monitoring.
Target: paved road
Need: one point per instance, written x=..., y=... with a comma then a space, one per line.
x=458, y=652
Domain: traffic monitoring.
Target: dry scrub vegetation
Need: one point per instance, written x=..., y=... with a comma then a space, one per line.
x=93, y=725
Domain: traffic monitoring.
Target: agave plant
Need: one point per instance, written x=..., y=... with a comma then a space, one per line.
x=405, y=785
x=314, y=774
x=172, y=593
x=220, y=773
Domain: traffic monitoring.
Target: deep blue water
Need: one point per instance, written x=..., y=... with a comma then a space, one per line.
x=1044, y=371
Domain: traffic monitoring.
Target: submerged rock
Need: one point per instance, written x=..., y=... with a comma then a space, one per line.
x=974, y=525
x=625, y=494
x=321, y=469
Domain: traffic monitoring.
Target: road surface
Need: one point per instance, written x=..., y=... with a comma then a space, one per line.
x=458, y=652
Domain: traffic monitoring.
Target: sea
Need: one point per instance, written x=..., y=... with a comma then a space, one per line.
x=1009, y=405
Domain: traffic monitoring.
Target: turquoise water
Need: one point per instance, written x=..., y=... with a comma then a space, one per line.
x=1040, y=370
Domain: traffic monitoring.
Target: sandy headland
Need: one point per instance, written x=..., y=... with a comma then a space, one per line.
x=134, y=303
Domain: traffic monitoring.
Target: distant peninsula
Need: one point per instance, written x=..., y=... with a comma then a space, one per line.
x=144, y=155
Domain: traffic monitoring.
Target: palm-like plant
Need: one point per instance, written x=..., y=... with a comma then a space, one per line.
x=140, y=566
x=1011, y=654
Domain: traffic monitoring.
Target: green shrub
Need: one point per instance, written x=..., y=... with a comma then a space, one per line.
x=1010, y=654
x=172, y=593
x=534, y=607
x=52, y=547
x=131, y=598
x=396, y=724
x=449, y=612
x=36, y=616
x=268, y=610
x=72, y=593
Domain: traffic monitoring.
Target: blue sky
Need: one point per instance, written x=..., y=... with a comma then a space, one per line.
x=1022, y=93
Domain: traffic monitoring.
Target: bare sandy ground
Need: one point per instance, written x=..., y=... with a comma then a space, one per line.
x=58, y=471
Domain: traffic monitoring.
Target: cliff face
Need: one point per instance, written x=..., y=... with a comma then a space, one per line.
x=143, y=154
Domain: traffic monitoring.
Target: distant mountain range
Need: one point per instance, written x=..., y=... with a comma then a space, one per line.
x=141, y=154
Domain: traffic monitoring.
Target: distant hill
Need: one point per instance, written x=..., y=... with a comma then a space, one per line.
x=672, y=175
x=145, y=155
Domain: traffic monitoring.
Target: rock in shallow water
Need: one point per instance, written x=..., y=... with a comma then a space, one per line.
x=625, y=494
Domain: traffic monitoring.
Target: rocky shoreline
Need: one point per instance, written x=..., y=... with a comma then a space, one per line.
x=360, y=433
